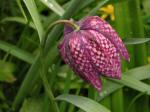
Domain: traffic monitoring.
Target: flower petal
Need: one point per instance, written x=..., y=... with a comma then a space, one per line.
x=96, y=23
x=79, y=62
x=103, y=54
x=62, y=47
x=68, y=29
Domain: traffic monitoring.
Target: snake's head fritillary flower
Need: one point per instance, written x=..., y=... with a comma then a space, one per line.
x=93, y=50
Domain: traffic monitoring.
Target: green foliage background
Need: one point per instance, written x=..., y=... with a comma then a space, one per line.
x=33, y=78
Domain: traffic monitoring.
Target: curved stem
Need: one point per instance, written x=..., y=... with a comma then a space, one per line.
x=69, y=22
x=134, y=100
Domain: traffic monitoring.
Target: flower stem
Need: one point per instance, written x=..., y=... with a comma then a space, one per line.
x=68, y=22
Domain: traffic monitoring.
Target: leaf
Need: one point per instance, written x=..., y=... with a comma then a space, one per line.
x=132, y=41
x=83, y=103
x=15, y=51
x=21, y=9
x=6, y=72
x=100, y=4
x=32, y=105
x=134, y=84
x=54, y=6
x=139, y=73
x=35, y=16
x=19, y=20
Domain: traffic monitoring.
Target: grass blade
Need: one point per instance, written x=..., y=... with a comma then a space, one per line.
x=94, y=10
x=15, y=51
x=19, y=20
x=110, y=86
x=83, y=103
x=133, y=41
x=21, y=9
x=30, y=4
x=54, y=6
x=134, y=84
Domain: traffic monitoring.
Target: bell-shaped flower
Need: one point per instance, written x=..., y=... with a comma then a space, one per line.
x=92, y=50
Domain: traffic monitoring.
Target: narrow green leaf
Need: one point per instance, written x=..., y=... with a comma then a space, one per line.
x=21, y=9
x=132, y=41
x=54, y=6
x=35, y=16
x=83, y=103
x=15, y=51
x=19, y=20
x=118, y=97
x=100, y=4
x=134, y=84
x=139, y=73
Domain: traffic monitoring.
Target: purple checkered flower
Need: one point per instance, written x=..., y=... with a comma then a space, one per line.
x=92, y=50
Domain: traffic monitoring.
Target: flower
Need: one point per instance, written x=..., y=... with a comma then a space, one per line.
x=94, y=49
x=108, y=11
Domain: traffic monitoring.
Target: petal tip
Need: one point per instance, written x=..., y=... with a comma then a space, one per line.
x=97, y=85
x=98, y=88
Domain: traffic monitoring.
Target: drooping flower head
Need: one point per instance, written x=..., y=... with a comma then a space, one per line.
x=92, y=50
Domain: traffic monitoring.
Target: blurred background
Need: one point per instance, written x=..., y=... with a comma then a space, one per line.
x=23, y=88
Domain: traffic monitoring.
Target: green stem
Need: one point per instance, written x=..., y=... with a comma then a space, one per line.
x=117, y=101
x=69, y=22
x=137, y=31
x=107, y=102
x=134, y=100
x=55, y=33
x=139, y=50
x=122, y=25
